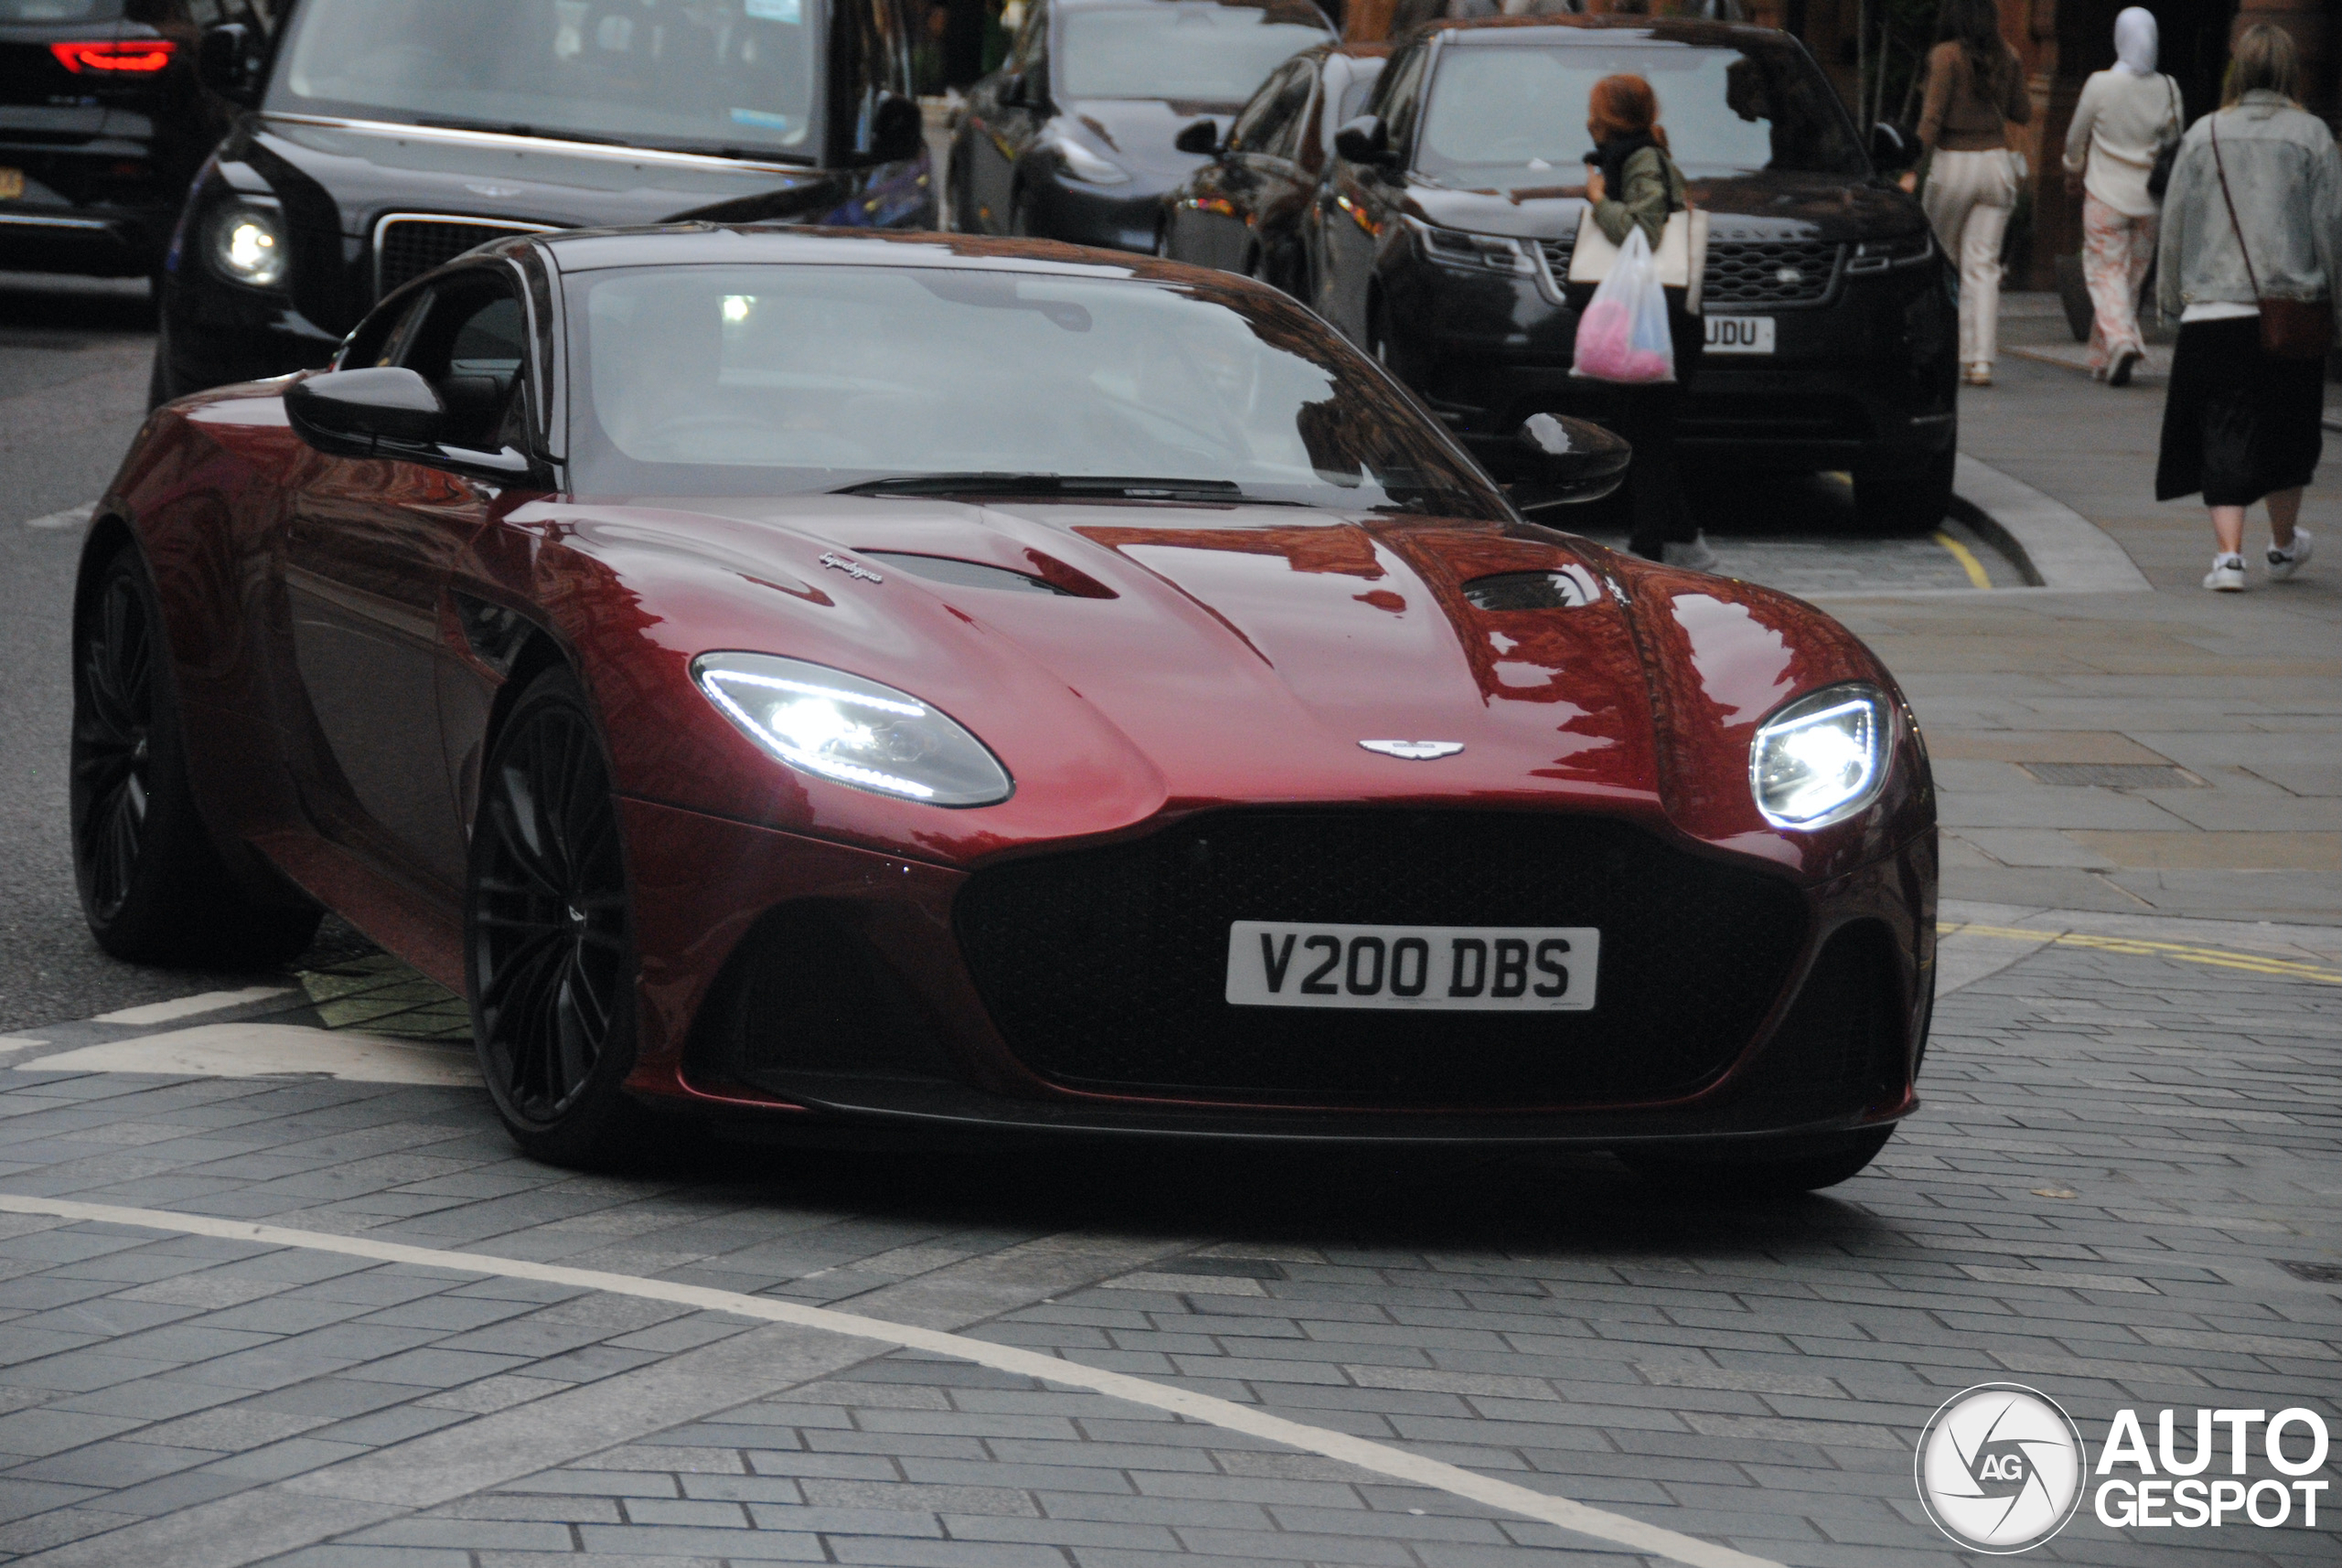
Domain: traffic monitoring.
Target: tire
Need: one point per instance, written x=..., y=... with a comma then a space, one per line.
x=1805, y=1164
x=549, y=951
x=153, y=885
x=1905, y=498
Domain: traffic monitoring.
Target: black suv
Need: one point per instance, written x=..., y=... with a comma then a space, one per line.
x=384, y=137
x=1440, y=240
x=102, y=124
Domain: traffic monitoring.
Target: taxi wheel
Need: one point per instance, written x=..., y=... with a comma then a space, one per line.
x=153, y=886
x=1804, y=1164
x=548, y=939
x=1904, y=498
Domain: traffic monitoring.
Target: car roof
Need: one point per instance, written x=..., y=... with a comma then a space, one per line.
x=749, y=244
x=1497, y=31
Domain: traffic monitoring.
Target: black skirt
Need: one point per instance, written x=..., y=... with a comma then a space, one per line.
x=2236, y=424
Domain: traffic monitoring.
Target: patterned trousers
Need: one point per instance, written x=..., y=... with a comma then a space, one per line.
x=2116, y=248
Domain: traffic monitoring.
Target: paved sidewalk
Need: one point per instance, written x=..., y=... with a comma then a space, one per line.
x=2173, y=753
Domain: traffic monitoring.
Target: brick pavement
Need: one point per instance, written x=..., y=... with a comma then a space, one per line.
x=2118, y=1153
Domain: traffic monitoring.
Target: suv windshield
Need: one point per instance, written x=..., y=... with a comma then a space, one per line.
x=792, y=379
x=731, y=76
x=1515, y=114
x=1189, y=52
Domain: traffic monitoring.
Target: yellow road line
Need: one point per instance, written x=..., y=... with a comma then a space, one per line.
x=1977, y=576
x=2221, y=958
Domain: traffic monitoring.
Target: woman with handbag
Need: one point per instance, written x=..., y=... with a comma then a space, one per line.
x=1634, y=184
x=2126, y=118
x=1975, y=92
x=2251, y=255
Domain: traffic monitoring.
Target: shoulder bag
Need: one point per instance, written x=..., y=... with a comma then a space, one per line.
x=2159, y=177
x=2290, y=329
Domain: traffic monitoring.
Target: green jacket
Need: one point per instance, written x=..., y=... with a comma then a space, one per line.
x=1654, y=187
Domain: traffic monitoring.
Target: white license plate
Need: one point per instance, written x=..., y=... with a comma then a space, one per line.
x=1740, y=334
x=1438, y=969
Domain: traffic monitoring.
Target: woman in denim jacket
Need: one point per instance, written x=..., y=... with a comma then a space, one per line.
x=2240, y=424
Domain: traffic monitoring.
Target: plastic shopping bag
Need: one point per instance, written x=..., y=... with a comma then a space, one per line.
x=1623, y=335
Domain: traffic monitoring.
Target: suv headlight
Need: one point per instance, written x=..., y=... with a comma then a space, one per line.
x=1822, y=758
x=246, y=244
x=1085, y=165
x=851, y=731
x=1473, y=253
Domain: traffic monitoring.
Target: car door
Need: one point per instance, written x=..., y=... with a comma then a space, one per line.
x=1286, y=170
x=1216, y=222
x=1359, y=206
x=1001, y=130
x=1343, y=86
x=369, y=548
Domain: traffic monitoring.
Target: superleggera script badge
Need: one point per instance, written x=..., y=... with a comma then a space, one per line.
x=837, y=562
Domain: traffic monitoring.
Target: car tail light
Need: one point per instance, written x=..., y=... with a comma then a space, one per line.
x=143, y=57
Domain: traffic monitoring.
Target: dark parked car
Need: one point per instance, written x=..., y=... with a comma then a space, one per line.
x=689, y=643
x=103, y=125
x=1249, y=207
x=387, y=137
x=1446, y=226
x=1074, y=137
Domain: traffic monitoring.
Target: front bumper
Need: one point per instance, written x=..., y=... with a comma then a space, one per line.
x=1867, y=375
x=817, y=985
x=98, y=242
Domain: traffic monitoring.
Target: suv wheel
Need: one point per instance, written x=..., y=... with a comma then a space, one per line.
x=1904, y=498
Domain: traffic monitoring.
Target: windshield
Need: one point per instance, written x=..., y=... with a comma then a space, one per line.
x=732, y=76
x=1208, y=53
x=791, y=378
x=1516, y=116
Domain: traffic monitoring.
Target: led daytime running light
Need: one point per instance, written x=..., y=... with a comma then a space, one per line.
x=851, y=731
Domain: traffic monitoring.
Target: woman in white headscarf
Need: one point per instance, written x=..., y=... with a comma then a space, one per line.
x=2126, y=117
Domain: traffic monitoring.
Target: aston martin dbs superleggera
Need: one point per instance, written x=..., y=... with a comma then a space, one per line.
x=830, y=679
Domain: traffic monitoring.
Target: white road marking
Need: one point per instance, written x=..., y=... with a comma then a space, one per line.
x=71, y=517
x=1379, y=1458
x=18, y=1042
x=188, y=1006
x=269, y=1050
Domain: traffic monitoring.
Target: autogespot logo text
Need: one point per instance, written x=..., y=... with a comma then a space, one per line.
x=2001, y=1468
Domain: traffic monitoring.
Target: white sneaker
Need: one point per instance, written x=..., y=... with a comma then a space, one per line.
x=1696, y=555
x=2227, y=576
x=2283, y=563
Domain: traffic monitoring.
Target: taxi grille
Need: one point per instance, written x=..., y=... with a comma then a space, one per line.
x=410, y=245
x=1105, y=968
x=1771, y=273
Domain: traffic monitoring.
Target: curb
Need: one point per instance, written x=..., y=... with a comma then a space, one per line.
x=2054, y=546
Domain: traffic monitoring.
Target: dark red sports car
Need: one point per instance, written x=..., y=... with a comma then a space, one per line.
x=831, y=679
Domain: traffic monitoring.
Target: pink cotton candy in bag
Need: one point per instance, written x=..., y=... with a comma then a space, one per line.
x=1623, y=335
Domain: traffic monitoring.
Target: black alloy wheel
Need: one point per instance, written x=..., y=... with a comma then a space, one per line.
x=548, y=939
x=153, y=885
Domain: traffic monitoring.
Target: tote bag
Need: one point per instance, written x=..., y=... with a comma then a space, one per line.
x=1683, y=255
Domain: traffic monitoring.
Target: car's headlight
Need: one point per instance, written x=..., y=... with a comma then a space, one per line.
x=1822, y=758
x=1087, y=165
x=1473, y=253
x=841, y=728
x=247, y=245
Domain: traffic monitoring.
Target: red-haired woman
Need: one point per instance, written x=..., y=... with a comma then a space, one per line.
x=1634, y=184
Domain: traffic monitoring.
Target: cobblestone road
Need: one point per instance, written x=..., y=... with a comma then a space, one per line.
x=2121, y=1191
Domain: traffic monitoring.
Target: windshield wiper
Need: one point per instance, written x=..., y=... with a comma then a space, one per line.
x=536, y=132
x=1223, y=491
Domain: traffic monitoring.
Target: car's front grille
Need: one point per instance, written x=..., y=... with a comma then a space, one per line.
x=409, y=244
x=1557, y=257
x=1768, y=274
x=1105, y=968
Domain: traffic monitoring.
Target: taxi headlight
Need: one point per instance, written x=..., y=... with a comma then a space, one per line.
x=851, y=731
x=1822, y=758
x=248, y=245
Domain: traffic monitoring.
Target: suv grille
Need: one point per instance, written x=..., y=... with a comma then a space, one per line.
x=409, y=245
x=1106, y=968
x=1768, y=272
x=1557, y=257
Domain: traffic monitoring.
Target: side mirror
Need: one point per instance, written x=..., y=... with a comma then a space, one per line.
x=224, y=62
x=350, y=412
x=1365, y=140
x=1566, y=461
x=897, y=131
x=1202, y=138
x=1892, y=148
